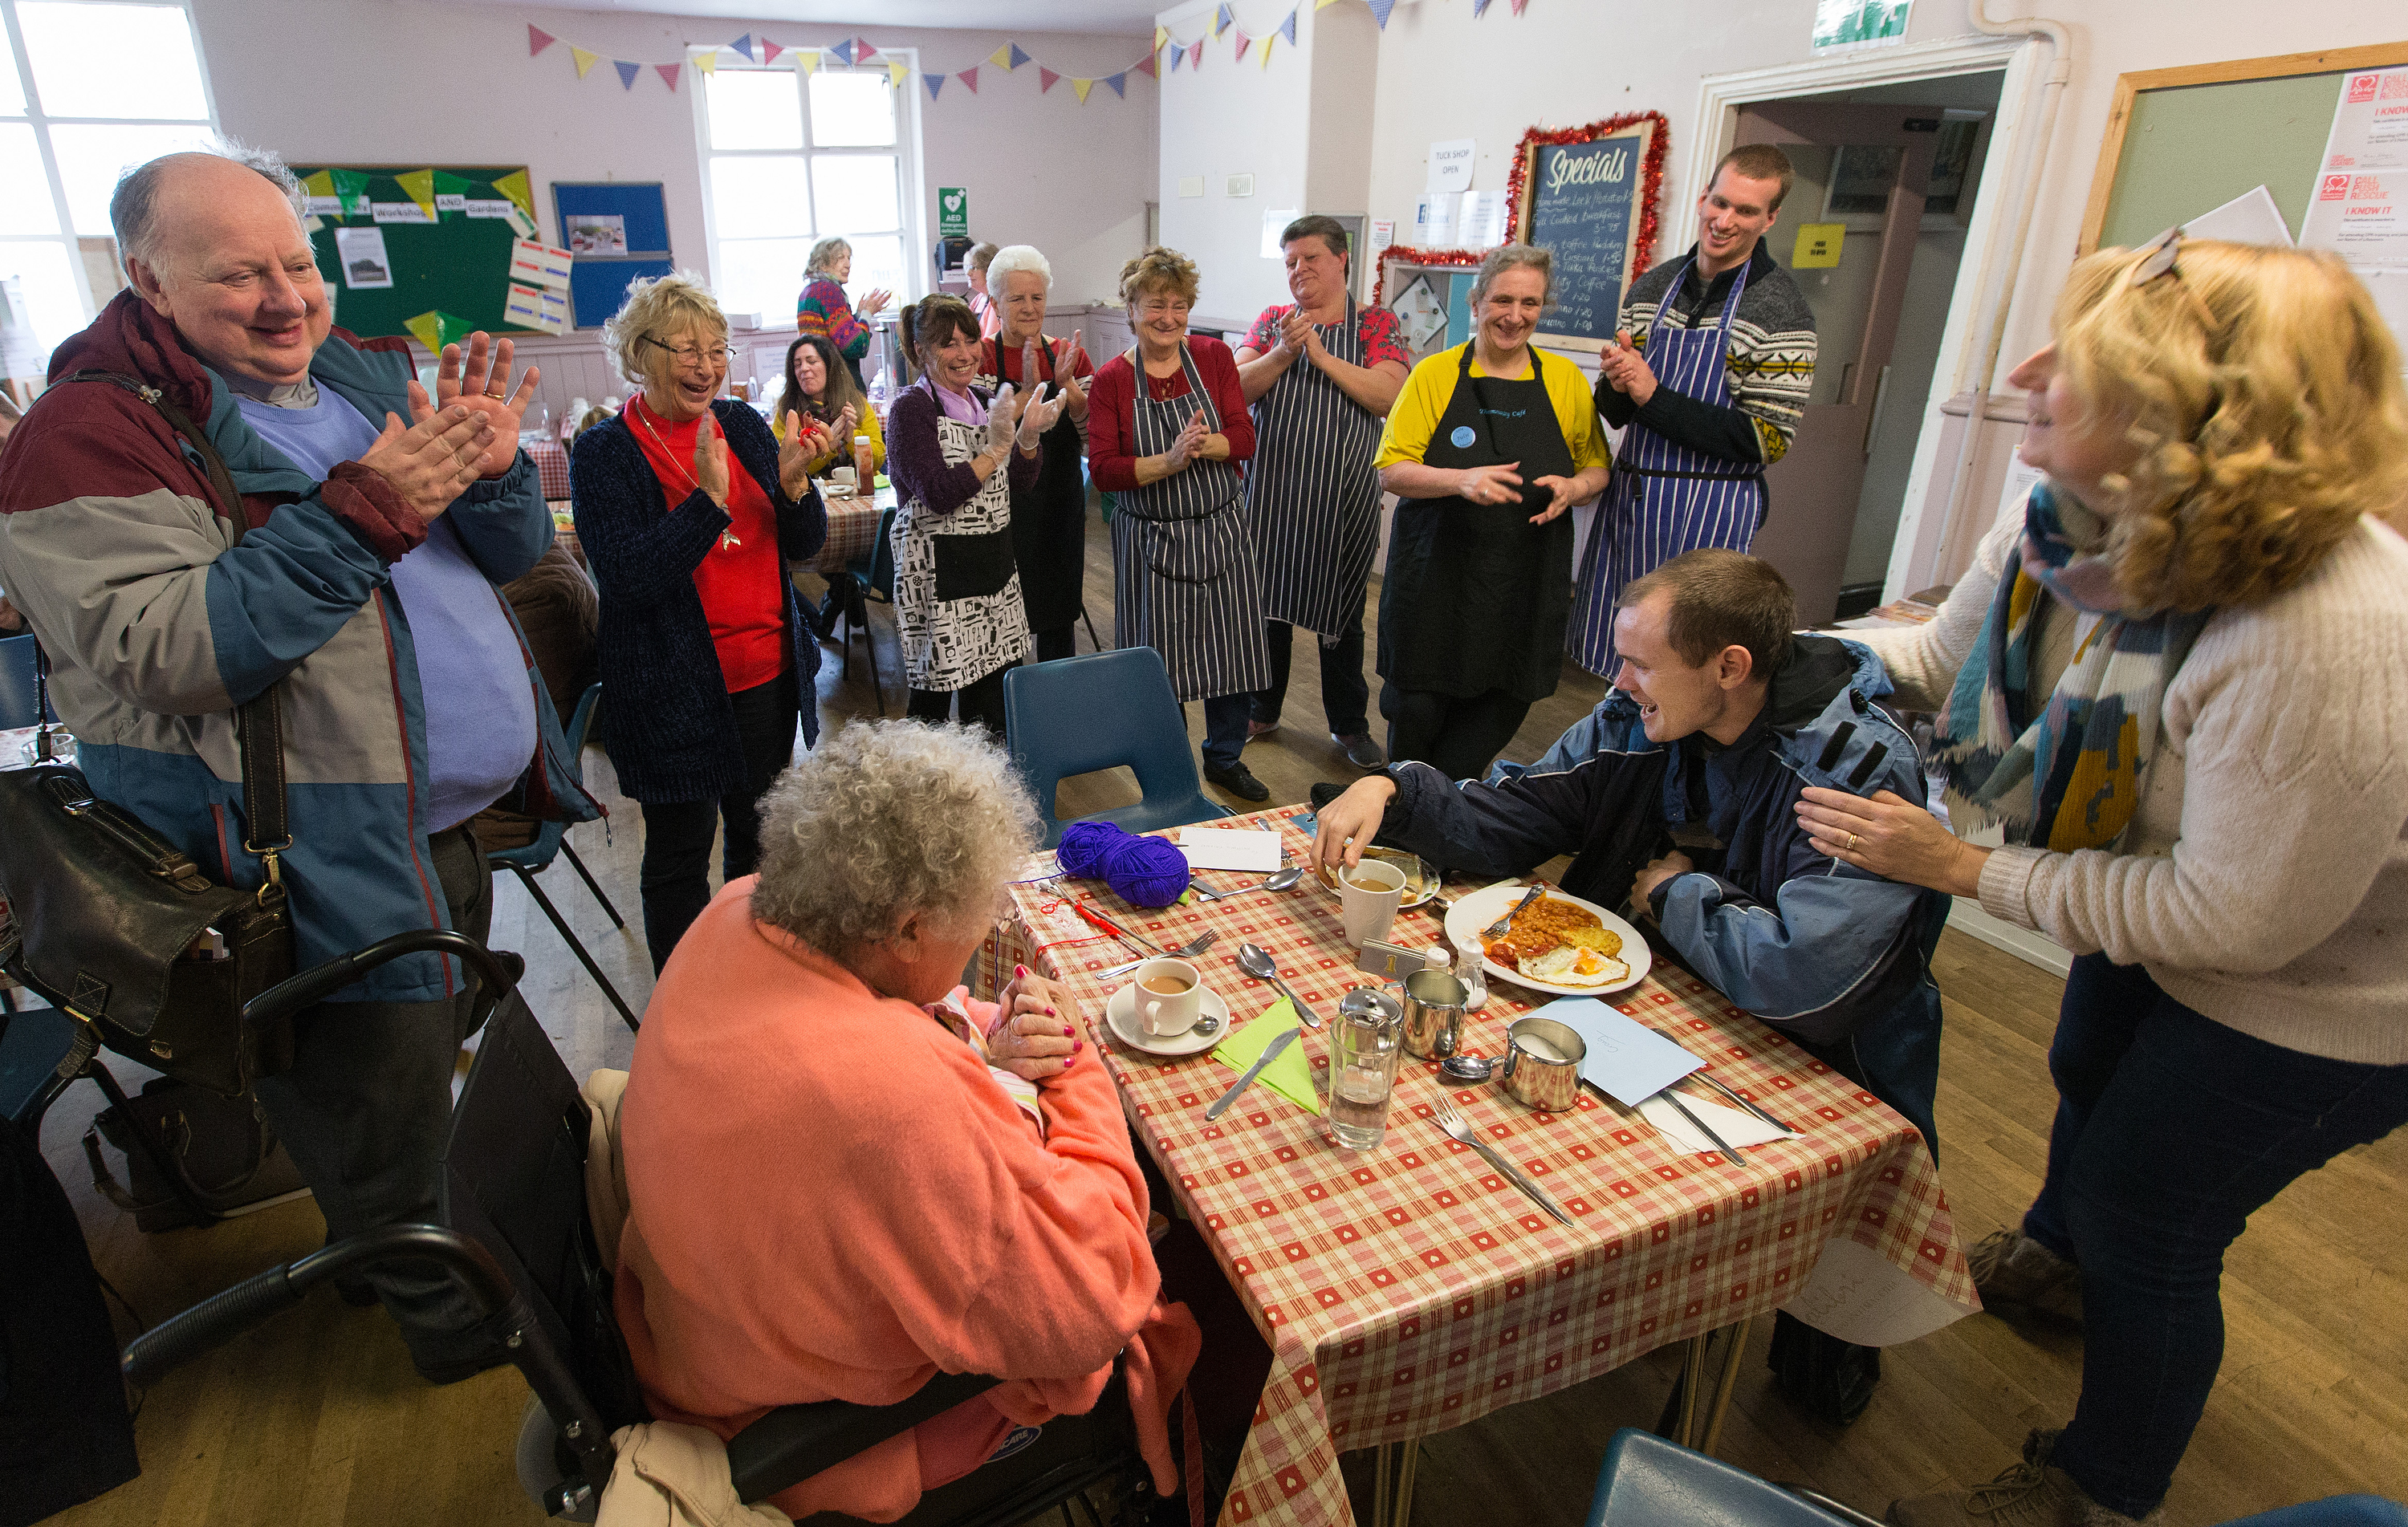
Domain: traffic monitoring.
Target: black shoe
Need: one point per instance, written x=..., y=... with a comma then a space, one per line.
x=1237, y=780
x=1360, y=750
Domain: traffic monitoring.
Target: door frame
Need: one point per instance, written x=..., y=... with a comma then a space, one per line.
x=1982, y=273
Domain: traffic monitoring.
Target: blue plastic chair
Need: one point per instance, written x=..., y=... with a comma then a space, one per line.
x=2333, y=1511
x=551, y=839
x=1649, y=1482
x=1098, y=712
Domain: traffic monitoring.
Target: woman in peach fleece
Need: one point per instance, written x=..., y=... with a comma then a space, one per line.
x=845, y=1175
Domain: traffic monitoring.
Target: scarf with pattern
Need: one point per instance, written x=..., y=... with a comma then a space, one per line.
x=2060, y=771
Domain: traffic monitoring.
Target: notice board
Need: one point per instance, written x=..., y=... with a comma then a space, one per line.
x=1589, y=197
x=447, y=233
x=619, y=229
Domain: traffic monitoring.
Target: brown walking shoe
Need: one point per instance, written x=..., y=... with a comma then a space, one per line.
x=2012, y=1270
x=2033, y=1493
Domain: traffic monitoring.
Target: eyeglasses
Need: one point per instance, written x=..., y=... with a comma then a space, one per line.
x=2158, y=257
x=686, y=355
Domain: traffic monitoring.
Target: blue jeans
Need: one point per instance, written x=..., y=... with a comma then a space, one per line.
x=1225, y=729
x=2171, y=1128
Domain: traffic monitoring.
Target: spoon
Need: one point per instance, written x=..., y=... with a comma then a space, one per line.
x=1256, y=962
x=1281, y=880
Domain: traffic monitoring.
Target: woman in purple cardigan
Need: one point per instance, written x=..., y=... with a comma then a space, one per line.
x=956, y=456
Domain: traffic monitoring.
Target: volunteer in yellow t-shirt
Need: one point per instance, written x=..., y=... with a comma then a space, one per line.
x=1488, y=446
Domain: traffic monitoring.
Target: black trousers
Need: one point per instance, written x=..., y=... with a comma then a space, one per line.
x=1345, y=693
x=1459, y=738
x=365, y=1110
x=676, y=872
x=1060, y=642
x=982, y=702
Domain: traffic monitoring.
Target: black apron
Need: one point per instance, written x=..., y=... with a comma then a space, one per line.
x=1049, y=521
x=1475, y=597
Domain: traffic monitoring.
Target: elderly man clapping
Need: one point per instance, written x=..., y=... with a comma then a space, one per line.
x=358, y=570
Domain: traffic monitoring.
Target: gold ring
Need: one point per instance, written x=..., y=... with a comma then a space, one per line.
x=491, y=394
x=1852, y=842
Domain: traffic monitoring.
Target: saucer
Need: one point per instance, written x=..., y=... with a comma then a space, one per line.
x=1121, y=1014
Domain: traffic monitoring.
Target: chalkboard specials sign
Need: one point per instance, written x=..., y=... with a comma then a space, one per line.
x=1588, y=194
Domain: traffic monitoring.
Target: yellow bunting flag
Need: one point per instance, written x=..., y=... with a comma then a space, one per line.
x=1267, y=51
x=809, y=60
x=319, y=184
x=436, y=328
x=586, y=60
x=1162, y=35
x=708, y=62
x=897, y=72
x=1083, y=86
x=419, y=186
x=514, y=186
x=1001, y=57
x=1322, y=5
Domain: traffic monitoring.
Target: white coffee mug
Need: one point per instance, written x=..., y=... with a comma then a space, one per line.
x=1367, y=898
x=845, y=478
x=1169, y=995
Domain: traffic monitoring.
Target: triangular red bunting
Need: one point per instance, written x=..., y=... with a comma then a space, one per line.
x=668, y=72
x=1196, y=54
x=862, y=51
x=1245, y=42
x=769, y=50
x=1046, y=79
x=969, y=76
x=1151, y=66
x=1518, y=4
x=538, y=40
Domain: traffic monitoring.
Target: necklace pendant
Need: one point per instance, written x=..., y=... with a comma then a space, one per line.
x=728, y=541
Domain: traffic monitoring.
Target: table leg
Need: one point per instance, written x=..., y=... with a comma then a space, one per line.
x=1379, y=1484
x=1406, y=1468
x=1693, y=1378
x=1738, y=1335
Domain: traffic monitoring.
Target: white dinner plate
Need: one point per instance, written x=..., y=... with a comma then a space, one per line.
x=1481, y=908
x=1121, y=1014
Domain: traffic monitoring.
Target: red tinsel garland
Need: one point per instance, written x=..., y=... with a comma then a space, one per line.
x=1651, y=186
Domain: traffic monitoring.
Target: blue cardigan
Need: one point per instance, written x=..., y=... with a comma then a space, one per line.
x=669, y=728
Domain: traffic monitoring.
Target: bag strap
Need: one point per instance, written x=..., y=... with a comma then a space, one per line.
x=259, y=723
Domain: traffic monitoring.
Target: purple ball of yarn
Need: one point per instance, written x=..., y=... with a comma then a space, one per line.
x=1084, y=844
x=1146, y=871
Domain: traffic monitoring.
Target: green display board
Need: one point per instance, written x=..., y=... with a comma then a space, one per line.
x=2197, y=146
x=456, y=264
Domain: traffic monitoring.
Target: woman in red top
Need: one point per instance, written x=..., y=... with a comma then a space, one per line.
x=1183, y=560
x=688, y=510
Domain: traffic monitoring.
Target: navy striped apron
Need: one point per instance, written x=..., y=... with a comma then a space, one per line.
x=1183, y=563
x=1311, y=492
x=1664, y=499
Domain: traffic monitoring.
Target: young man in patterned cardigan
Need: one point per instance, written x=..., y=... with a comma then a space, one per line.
x=1698, y=435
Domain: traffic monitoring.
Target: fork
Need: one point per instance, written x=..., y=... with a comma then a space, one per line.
x=1197, y=946
x=1452, y=1123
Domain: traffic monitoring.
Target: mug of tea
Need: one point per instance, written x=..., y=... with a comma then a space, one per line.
x=1369, y=894
x=1169, y=995
x=845, y=479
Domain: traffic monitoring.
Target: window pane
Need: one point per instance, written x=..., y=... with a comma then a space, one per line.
x=877, y=265
x=40, y=280
x=766, y=197
x=852, y=111
x=92, y=158
x=25, y=205
x=856, y=191
x=754, y=109
x=762, y=276
x=112, y=61
x=12, y=91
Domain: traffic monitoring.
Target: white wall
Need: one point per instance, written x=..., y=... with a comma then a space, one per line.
x=1228, y=118
x=394, y=81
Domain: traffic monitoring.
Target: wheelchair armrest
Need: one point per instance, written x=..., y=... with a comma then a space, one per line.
x=791, y=1443
x=319, y=982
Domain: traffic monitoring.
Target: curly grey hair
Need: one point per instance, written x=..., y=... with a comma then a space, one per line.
x=1507, y=257
x=134, y=204
x=656, y=314
x=886, y=818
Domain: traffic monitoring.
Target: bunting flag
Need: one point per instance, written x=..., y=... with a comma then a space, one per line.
x=1379, y=9
x=1518, y=4
x=1245, y=42
x=514, y=186
x=1267, y=51
x=861, y=50
x=538, y=40
x=1223, y=19
x=707, y=63
x=1083, y=86
x=1018, y=58
x=419, y=186
x=1161, y=36
x=808, y=60
x=1152, y=65
x=1322, y=5
x=1001, y=57
x=897, y=72
x=1119, y=83
x=935, y=83
x=843, y=51
x=1178, y=57
x=586, y=60
x=1195, y=56
x=1287, y=28
x=969, y=78
x=744, y=45
x=668, y=72
x=627, y=72
x=1046, y=78
x=769, y=50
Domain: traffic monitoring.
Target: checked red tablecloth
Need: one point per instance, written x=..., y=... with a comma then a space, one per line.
x=852, y=527
x=1409, y=1288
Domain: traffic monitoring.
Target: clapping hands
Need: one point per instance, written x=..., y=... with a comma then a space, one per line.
x=1040, y=414
x=806, y=440
x=1625, y=370
x=1191, y=440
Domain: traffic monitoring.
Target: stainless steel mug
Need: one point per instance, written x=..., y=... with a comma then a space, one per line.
x=1542, y=1063
x=1433, y=1002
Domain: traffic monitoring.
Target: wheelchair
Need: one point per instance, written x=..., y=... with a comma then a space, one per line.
x=517, y=1236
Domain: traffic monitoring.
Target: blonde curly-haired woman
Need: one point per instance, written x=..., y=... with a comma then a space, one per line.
x=2178, y=684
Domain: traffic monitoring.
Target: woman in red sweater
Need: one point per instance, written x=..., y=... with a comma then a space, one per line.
x=1183, y=560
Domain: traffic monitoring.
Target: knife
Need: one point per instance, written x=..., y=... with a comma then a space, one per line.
x=1729, y=1150
x=1537, y=1194
x=1271, y=1052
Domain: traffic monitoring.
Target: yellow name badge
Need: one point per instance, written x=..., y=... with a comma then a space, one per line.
x=1818, y=246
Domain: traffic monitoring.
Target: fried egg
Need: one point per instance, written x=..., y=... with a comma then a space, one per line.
x=1569, y=964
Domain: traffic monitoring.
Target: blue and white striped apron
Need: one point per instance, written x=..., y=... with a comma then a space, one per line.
x=1312, y=492
x=1664, y=499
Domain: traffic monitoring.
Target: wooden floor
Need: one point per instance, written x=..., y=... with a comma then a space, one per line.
x=318, y=1418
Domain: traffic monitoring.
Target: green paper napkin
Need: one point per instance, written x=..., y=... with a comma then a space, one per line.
x=1291, y=1074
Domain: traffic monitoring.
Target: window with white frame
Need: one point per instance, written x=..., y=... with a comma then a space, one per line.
x=88, y=89
x=792, y=158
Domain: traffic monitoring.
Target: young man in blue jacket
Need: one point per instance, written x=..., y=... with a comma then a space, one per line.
x=1679, y=793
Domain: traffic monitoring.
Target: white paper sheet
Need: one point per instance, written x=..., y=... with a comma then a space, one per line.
x=1480, y=224
x=1739, y=1128
x=1224, y=848
x=533, y=264
x=2250, y=218
x=361, y=252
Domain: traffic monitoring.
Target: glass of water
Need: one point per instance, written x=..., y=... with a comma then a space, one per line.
x=1365, y=1043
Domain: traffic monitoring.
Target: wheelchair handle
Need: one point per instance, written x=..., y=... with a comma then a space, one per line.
x=317, y=983
x=224, y=1316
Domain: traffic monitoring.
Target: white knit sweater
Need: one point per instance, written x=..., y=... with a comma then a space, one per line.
x=2263, y=880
